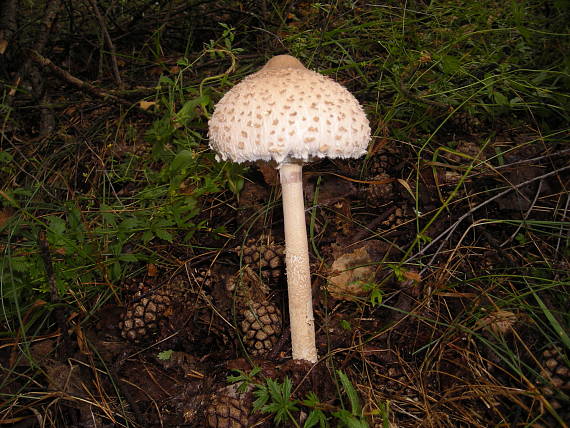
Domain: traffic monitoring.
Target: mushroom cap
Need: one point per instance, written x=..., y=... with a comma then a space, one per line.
x=285, y=112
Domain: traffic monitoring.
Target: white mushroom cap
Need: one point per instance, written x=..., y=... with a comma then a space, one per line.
x=286, y=112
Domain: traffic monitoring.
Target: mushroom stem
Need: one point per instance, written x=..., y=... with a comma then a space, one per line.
x=297, y=263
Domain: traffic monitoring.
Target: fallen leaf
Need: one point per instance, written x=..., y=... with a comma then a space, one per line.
x=349, y=273
x=406, y=186
x=3, y=46
x=411, y=275
x=145, y=105
x=5, y=215
x=151, y=270
x=499, y=322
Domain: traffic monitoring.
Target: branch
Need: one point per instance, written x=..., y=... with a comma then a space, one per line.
x=109, y=43
x=69, y=78
x=52, y=9
x=54, y=295
x=447, y=233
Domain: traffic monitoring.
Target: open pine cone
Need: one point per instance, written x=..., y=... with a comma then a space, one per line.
x=260, y=318
x=556, y=374
x=228, y=409
x=264, y=258
x=381, y=188
x=149, y=305
x=261, y=327
x=141, y=317
x=202, y=277
x=383, y=160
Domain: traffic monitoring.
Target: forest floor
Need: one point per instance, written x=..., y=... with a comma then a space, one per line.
x=142, y=282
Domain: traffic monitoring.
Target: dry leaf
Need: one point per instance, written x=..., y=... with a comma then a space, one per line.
x=3, y=46
x=412, y=275
x=145, y=105
x=81, y=340
x=500, y=321
x=5, y=215
x=349, y=273
x=151, y=270
x=270, y=174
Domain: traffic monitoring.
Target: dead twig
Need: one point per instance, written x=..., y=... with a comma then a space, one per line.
x=563, y=219
x=445, y=235
x=47, y=117
x=54, y=295
x=52, y=9
x=69, y=78
x=373, y=224
x=115, y=368
x=525, y=217
x=108, y=42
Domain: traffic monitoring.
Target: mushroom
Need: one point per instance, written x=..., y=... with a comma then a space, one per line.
x=291, y=115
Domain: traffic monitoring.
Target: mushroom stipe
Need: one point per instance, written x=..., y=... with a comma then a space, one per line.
x=291, y=115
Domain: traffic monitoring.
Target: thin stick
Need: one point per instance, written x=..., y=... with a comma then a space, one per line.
x=108, y=42
x=52, y=9
x=525, y=217
x=448, y=232
x=69, y=78
x=59, y=311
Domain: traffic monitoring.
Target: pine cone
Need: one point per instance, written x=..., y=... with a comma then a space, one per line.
x=228, y=409
x=141, y=317
x=260, y=319
x=202, y=276
x=261, y=327
x=397, y=218
x=247, y=286
x=379, y=164
x=266, y=259
x=134, y=287
x=150, y=305
x=466, y=122
x=557, y=376
x=380, y=191
x=469, y=148
x=383, y=160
